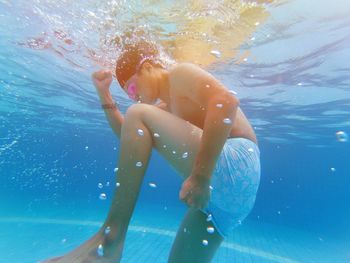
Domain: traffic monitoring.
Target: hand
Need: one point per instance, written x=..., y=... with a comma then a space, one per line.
x=102, y=79
x=195, y=191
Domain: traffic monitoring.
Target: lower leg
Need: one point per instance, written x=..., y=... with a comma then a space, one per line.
x=135, y=149
x=193, y=242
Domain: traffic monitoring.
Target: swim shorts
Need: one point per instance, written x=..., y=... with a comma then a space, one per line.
x=235, y=181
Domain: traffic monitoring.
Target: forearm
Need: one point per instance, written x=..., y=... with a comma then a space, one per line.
x=114, y=116
x=216, y=129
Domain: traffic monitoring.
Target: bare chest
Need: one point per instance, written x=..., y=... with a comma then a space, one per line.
x=188, y=110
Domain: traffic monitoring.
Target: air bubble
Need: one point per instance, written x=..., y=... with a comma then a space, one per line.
x=115, y=169
x=250, y=150
x=100, y=185
x=117, y=184
x=210, y=229
x=107, y=230
x=86, y=148
x=341, y=136
x=156, y=135
x=209, y=218
x=219, y=105
x=185, y=155
x=140, y=132
x=333, y=169
x=153, y=185
x=205, y=242
x=207, y=86
x=139, y=164
x=232, y=92
x=174, y=152
x=216, y=53
x=227, y=121
x=100, y=251
x=103, y=196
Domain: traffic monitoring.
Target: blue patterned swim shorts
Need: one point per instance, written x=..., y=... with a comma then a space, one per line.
x=234, y=183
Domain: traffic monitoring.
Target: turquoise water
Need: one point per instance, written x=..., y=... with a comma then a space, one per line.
x=56, y=145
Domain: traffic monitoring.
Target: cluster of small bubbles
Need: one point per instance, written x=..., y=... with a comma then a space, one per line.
x=117, y=184
x=100, y=251
x=209, y=218
x=174, y=152
x=86, y=148
x=185, y=155
x=107, y=230
x=341, y=136
x=333, y=169
x=139, y=164
x=140, y=132
x=210, y=229
x=216, y=53
x=250, y=150
x=100, y=185
x=156, y=135
x=205, y=242
x=219, y=105
x=103, y=196
x=153, y=185
x=227, y=121
x=115, y=169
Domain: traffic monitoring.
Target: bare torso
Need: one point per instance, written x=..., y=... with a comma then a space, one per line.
x=194, y=113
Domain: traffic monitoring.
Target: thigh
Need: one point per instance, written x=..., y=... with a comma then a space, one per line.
x=188, y=246
x=174, y=138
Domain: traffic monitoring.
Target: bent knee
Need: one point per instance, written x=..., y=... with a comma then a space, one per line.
x=137, y=110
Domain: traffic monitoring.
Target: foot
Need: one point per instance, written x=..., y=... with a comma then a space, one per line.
x=101, y=248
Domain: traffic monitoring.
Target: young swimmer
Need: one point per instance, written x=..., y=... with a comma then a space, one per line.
x=215, y=148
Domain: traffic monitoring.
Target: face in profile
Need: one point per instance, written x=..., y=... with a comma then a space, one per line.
x=141, y=86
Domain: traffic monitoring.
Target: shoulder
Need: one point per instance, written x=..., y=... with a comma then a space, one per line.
x=196, y=83
x=186, y=69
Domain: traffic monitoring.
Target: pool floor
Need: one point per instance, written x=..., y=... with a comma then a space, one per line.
x=26, y=239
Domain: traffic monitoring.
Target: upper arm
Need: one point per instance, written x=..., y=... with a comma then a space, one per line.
x=200, y=86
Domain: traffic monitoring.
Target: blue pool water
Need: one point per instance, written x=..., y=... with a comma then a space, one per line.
x=291, y=74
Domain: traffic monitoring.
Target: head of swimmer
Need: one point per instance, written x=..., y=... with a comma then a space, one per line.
x=145, y=85
x=141, y=74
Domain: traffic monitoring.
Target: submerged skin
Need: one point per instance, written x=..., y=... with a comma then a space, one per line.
x=189, y=118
